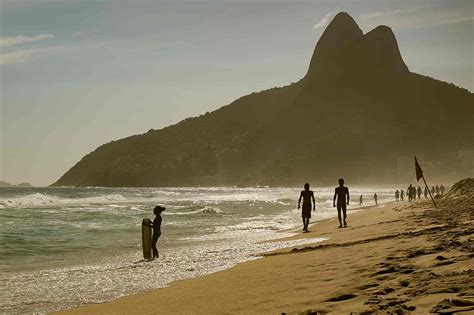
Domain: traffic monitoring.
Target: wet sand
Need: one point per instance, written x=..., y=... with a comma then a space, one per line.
x=395, y=258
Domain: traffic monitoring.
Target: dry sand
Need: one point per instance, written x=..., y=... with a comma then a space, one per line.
x=397, y=258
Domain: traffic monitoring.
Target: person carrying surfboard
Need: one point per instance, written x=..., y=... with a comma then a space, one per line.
x=156, y=229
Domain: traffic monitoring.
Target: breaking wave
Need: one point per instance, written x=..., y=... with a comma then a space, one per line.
x=39, y=200
x=205, y=210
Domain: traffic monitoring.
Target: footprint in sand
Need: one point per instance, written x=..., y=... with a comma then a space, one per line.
x=342, y=297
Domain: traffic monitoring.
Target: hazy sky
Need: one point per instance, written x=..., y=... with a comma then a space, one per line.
x=77, y=74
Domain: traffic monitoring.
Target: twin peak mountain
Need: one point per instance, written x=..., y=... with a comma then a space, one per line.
x=344, y=50
x=352, y=115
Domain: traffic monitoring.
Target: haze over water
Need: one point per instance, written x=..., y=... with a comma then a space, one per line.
x=72, y=246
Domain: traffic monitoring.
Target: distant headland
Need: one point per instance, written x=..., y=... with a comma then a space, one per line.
x=6, y=184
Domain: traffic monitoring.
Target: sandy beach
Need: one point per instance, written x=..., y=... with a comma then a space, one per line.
x=393, y=258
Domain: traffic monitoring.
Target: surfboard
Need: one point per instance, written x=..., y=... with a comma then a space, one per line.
x=146, y=238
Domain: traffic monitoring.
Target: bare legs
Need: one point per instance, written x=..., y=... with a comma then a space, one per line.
x=305, y=224
x=154, y=240
x=343, y=208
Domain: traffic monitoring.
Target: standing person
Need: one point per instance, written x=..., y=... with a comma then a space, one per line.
x=397, y=195
x=426, y=192
x=341, y=193
x=156, y=229
x=441, y=188
x=307, y=196
x=437, y=190
x=360, y=200
x=410, y=193
x=432, y=190
x=375, y=198
x=402, y=194
x=419, y=192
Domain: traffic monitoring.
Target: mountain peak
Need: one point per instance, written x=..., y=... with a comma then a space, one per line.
x=381, y=49
x=342, y=30
x=340, y=33
x=343, y=18
x=344, y=48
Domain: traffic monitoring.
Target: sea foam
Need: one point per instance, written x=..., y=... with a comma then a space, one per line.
x=40, y=199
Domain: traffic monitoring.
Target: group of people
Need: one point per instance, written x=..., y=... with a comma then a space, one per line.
x=412, y=192
x=361, y=199
x=340, y=201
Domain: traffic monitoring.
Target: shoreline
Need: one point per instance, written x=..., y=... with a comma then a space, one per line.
x=397, y=257
x=205, y=242
x=297, y=236
x=325, y=228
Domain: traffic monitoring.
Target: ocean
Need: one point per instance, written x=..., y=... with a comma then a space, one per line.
x=66, y=247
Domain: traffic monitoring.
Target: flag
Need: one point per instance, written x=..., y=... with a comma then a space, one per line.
x=419, y=171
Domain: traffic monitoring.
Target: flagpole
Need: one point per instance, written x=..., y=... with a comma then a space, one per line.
x=419, y=174
x=429, y=192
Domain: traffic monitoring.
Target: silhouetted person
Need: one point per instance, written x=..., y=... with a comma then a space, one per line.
x=419, y=192
x=341, y=193
x=441, y=188
x=307, y=196
x=437, y=190
x=410, y=193
x=426, y=192
x=360, y=200
x=432, y=190
x=402, y=194
x=156, y=229
x=397, y=195
x=375, y=198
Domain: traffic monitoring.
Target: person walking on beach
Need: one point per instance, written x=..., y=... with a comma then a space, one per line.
x=156, y=229
x=402, y=194
x=425, y=193
x=375, y=198
x=341, y=193
x=307, y=196
x=397, y=195
x=432, y=190
x=360, y=200
x=419, y=192
x=437, y=190
x=441, y=188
